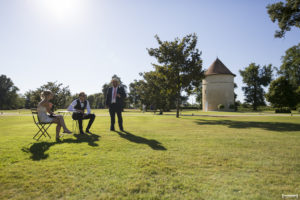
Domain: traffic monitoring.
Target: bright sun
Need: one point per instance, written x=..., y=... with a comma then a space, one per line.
x=62, y=10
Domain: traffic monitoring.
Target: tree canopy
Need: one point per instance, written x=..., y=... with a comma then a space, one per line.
x=8, y=93
x=290, y=67
x=179, y=64
x=286, y=14
x=60, y=99
x=282, y=93
x=255, y=78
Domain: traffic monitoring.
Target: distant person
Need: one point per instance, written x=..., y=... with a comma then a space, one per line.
x=44, y=107
x=77, y=107
x=114, y=101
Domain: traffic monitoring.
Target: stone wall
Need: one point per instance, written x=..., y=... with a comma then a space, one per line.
x=217, y=89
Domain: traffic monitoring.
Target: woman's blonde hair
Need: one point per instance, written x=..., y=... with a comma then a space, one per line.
x=45, y=94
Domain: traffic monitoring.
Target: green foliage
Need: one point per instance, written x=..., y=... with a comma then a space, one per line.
x=180, y=65
x=283, y=110
x=134, y=93
x=96, y=100
x=282, y=93
x=9, y=99
x=220, y=107
x=290, y=67
x=154, y=92
x=61, y=97
x=286, y=14
x=232, y=106
x=255, y=77
x=298, y=107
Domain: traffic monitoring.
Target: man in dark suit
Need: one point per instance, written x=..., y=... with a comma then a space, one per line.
x=77, y=107
x=114, y=101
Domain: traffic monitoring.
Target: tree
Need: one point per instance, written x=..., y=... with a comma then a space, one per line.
x=8, y=93
x=255, y=77
x=180, y=65
x=134, y=93
x=290, y=67
x=282, y=93
x=96, y=100
x=286, y=14
x=61, y=95
x=154, y=92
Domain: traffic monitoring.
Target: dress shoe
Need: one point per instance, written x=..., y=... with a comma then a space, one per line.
x=81, y=133
x=88, y=131
x=112, y=129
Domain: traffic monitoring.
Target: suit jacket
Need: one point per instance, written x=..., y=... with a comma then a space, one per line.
x=119, y=100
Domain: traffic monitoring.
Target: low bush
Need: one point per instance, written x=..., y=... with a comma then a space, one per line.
x=282, y=110
x=220, y=107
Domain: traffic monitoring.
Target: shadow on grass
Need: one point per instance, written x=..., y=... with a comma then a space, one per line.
x=38, y=149
x=154, y=144
x=271, y=126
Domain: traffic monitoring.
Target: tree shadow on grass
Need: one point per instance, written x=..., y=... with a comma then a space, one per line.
x=154, y=144
x=270, y=126
x=38, y=149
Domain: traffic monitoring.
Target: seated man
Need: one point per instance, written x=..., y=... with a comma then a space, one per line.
x=77, y=107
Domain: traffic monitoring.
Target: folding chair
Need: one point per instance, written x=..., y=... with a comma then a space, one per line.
x=43, y=127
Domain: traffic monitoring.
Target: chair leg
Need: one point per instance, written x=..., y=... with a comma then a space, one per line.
x=43, y=131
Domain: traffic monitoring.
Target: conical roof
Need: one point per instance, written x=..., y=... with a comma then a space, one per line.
x=218, y=68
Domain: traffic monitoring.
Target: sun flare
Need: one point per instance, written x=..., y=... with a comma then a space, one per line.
x=62, y=10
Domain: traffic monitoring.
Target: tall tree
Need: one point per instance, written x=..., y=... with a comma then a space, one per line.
x=282, y=93
x=134, y=93
x=286, y=14
x=290, y=67
x=61, y=95
x=8, y=93
x=180, y=64
x=255, y=78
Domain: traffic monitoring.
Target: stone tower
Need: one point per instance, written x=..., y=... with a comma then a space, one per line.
x=218, y=87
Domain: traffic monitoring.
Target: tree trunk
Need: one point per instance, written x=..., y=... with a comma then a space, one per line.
x=178, y=101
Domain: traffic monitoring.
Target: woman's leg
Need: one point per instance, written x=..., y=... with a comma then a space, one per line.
x=62, y=123
x=58, y=126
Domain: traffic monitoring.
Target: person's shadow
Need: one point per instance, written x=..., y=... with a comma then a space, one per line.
x=154, y=144
x=38, y=150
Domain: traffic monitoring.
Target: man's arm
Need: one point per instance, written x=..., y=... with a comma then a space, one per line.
x=122, y=93
x=88, y=108
x=71, y=106
x=107, y=98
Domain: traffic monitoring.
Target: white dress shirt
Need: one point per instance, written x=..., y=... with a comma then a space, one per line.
x=74, y=103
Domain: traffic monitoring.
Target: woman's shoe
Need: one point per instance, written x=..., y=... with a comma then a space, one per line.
x=58, y=140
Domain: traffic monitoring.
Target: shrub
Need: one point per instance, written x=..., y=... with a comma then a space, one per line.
x=220, y=107
x=298, y=108
x=282, y=110
x=231, y=106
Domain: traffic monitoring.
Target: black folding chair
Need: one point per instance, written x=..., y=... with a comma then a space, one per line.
x=43, y=127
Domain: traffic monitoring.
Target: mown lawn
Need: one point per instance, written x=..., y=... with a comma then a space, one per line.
x=160, y=157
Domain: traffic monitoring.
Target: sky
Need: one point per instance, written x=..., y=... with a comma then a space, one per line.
x=83, y=43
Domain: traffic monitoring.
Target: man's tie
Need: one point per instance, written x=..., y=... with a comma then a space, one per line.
x=115, y=95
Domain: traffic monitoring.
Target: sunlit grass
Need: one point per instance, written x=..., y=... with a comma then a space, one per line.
x=160, y=157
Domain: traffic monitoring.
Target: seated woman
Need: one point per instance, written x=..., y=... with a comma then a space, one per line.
x=44, y=107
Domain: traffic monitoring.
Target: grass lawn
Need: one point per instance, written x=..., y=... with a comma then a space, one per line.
x=159, y=157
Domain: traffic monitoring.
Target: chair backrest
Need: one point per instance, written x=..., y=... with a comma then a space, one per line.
x=35, y=117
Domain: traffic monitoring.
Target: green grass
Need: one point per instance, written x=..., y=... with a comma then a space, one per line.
x=160, y=157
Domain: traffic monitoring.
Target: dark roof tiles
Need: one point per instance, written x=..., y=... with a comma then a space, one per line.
x=218, y=68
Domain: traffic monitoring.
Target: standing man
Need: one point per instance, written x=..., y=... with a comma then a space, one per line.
x=114, y=101
x=77, y=107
